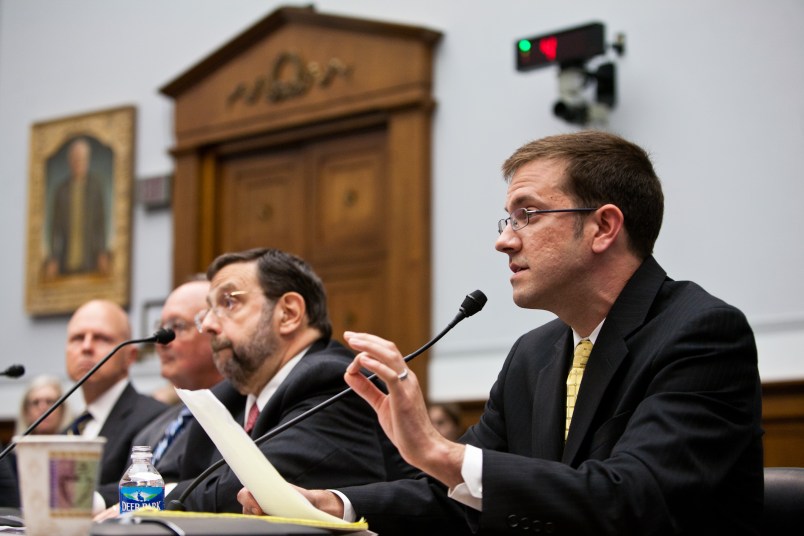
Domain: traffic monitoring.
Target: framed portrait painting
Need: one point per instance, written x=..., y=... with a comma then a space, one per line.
x=79, y=211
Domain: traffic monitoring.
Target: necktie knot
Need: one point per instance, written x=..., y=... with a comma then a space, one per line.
x=253, y=414
x=78, y=425
x=581, y=355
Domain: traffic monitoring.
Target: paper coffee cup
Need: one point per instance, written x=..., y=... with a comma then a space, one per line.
x=57, y=476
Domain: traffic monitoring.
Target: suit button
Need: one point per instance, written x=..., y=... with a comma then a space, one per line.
x=537, y=526
x=513, y=521
x=548, y=527
x=525, y=524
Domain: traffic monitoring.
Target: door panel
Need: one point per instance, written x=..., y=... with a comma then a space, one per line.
x=349, y=191
x=356, y=301
x=262, y=203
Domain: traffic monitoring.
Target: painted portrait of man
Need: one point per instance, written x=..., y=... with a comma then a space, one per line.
x=77, y=226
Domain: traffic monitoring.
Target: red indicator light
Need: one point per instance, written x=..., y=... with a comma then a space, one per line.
x=548, y=46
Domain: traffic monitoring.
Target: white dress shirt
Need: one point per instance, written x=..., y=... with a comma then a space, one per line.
x=101, y=408
x=271, y=387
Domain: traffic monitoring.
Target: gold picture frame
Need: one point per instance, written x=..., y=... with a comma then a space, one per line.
x=79, y=211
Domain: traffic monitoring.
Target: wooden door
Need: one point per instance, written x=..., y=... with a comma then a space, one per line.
x=324, y=200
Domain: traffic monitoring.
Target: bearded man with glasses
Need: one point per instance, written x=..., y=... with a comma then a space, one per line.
x=269, y=327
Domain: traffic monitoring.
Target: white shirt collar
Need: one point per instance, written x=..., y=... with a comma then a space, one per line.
x=592, y=336
x=102, y=407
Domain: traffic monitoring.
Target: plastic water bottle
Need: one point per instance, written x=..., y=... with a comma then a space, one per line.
x=141, y=485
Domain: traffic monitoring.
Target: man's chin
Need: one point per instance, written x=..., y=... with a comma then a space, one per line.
x=524, y=299
x=221, y=356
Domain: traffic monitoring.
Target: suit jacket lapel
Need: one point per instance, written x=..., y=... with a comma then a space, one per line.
x=603, y=363
x=627, y=314
x=548, y=436
x=122, y=407
x=272, y=412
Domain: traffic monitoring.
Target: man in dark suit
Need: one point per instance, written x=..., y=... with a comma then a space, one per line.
x=114, y=409
x=651, y=427
x=270, y=332
x=187, y=363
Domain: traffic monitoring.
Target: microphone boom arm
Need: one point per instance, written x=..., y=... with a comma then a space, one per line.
x=472, y=304
x=159, y=336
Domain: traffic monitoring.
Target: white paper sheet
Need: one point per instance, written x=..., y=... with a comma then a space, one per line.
x=274, y=495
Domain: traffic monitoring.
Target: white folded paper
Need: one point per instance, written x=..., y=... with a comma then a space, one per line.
x=274, y=495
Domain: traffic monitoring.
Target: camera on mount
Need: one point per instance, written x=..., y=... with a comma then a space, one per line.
x=572, y=51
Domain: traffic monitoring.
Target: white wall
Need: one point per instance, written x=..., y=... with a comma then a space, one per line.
x=712, y=89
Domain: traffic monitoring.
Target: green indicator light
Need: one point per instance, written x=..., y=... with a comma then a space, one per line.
x=524, y=45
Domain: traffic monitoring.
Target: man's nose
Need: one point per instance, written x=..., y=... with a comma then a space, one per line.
x=86, y=343
x=211, y=323
x=507, y=240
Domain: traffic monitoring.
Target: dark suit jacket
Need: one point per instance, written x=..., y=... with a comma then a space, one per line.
x=342, y=443
x=151, y=435
x=130, y=414
x=204, y=453
x=665, y=438
x=9, y=488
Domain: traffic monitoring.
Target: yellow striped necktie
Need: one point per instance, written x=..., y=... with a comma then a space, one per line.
x=579, y=360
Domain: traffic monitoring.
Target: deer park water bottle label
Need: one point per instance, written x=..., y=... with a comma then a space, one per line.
x=136, y=497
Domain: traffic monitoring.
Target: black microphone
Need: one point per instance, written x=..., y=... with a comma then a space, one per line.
x=161, y=336
x=14, y=371
x=472, y=303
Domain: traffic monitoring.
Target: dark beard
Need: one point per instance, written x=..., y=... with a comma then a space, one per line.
x=247, y=358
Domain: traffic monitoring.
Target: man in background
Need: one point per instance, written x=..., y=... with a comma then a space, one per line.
x=186, y=362
x=114, y=409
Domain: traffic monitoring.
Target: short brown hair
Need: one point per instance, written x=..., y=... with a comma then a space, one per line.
x=604, y=168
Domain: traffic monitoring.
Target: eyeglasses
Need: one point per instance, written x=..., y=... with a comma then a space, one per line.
x=177, y=325
x=224, y=306
x=521, y=216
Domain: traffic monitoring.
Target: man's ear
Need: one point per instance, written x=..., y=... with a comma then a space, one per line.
x=131, y=355
x=609, y=220
x=289, y=313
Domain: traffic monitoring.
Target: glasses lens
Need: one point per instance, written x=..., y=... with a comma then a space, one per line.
x=175, y=325
x=199, y=320
x=519, y=218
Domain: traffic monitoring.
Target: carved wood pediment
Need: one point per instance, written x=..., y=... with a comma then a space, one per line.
x=297, y=64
